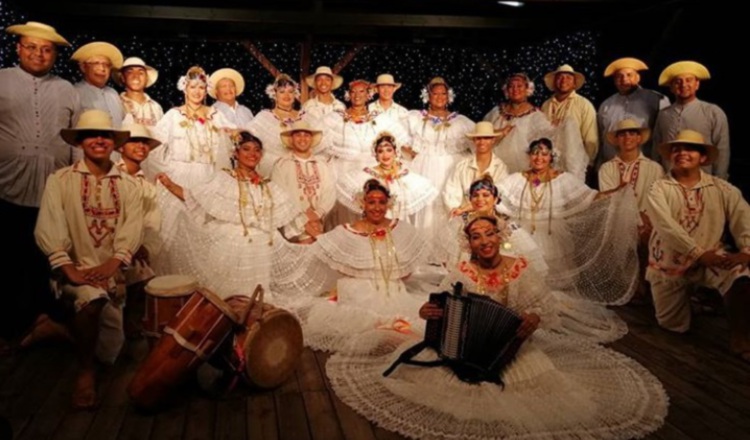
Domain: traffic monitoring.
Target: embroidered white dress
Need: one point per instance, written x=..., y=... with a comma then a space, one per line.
x=558, y=387
x=361, y=275
x=439, y=144
x=589, y=246
x=410, y=192
x=565, y=137
x=192, y=151
x=349, y=144
x=229, y=233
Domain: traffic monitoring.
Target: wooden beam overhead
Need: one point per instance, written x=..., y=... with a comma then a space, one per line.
x=307, y=19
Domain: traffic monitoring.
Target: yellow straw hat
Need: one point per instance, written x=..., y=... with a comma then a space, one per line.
x=35, y=29
x=138, y=131
x=226, y=73
x=286, y=135
x=680, y=68
x=99, y=48
x=624, y=63
x=628, y=124
x=94, y=120
x=689, y=137
x=549, y=79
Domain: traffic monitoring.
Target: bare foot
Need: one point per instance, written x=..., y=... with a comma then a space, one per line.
x=84, y=394
x=45, y=329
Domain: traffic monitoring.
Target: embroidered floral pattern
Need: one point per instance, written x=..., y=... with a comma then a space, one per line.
x=103, y=220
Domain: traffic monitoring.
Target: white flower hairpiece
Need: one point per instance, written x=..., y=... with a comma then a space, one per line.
x=530, y=86
x=425, y=95
x=182, y=83
x=271, y=91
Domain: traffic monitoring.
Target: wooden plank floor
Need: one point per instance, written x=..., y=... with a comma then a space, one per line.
x=709, y=391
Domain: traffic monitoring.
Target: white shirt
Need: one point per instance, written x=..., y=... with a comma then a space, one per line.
x=707, y=119
x=238, y=115
x=86, y=221
x=582, y=111
x=456, y=192
x=309, y=183
x=148, y=113
x=317, y=110
x=640, y=174
x=105, y=99
x=33, y=110
x=641, y=105
x=395, y=110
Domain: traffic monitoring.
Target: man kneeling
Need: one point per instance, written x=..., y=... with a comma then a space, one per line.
x=689, y=210
x=90, y=224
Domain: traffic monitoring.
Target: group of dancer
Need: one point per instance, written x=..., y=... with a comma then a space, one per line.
x=350, y=215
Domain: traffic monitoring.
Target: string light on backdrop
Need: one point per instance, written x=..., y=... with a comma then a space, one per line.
x=473, y=73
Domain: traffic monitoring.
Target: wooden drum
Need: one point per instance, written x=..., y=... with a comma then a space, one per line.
x=165, y=297
x=189, y=339
x=266, y=350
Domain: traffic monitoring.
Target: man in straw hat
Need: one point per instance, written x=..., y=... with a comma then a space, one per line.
x=631, y=101
x=484, y=161
x=133, y=152
x=305, y=177
x=566, y=103
x=689, y=210
x=90, y=225
x=34, y=106
x=96, y=61
x=324, y=82
x=386, y=86
x=631, y=166
x=226, y=85
x=688, y=112
x=136, y=77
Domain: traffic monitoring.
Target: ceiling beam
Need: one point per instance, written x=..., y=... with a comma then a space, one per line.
x=307, y=19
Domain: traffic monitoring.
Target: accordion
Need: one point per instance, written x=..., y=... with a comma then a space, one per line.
x=475, y=337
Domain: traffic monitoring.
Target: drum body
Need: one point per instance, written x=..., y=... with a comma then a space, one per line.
x=266, y=351
x=165, y=297
x=189, y=339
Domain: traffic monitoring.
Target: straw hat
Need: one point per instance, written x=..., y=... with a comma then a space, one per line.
x=99, y=48
x=549, y=79
x=624, y=63
x=681, y=67
x=483, y=129
x=226, y=73
x=138, y=131
x=151, y=73
x=286, y=135
x=94, y=120
x=386, y=79
x=689, y=137
x=325, y=70
x=628, y=124
x=35, y=29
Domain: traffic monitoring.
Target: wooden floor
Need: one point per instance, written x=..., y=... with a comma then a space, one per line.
x=709, y=393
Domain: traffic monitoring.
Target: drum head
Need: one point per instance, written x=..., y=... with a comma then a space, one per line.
x=171, y=285
x=272, y=349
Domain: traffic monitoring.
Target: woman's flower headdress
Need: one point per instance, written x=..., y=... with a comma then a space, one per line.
x=370, y=91
x=530, y=87
x=425, y=93
x=195, y=73
x=282, y=80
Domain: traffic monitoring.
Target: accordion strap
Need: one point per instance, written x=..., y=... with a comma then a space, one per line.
x=408, y=354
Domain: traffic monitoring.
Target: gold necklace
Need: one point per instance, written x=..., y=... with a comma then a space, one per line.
x=390, y=263
x=245, y=196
